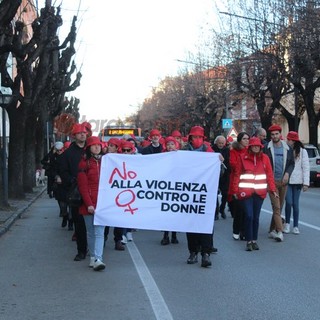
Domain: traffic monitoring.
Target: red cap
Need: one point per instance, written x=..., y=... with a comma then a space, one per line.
x=275, y=127
x=255, y=141
x=292, y=135
x=78, y=128
x=93, y=140
x=196, y=131
x=66, y=144
x=126, y=145
x=114, y=141
x=155, y=132
x=176, y=133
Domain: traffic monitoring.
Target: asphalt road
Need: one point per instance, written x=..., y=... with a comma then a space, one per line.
x=40, y=280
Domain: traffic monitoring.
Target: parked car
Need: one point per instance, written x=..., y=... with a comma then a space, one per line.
x=314, y=160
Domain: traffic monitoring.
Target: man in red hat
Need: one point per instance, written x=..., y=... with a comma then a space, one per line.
x=69, y=171
x=282, y=161
x=199, y=241
x=155, y=146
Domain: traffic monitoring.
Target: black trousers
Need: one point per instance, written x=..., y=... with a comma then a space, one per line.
x=117, y=233
x=80, y=230
x=200, y=242
x=237, y=212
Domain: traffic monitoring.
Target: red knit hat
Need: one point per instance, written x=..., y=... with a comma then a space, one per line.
x=274, y=127
x=93, y=140
x=255, y=141
x=292, y=135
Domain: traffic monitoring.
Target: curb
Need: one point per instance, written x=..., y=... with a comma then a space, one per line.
x=17, y=214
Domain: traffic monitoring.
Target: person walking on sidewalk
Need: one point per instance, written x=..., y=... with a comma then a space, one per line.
x=282, y=161
x=69, y=171
x=88, y=182
x=299, y=180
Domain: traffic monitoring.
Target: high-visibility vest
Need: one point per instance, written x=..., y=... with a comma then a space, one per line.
x=253, y=178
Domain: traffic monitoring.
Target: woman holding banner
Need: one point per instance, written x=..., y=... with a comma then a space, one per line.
x=171, y=144
x=199, y=242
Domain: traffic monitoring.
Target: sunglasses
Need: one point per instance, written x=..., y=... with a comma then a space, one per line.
x=126, y=150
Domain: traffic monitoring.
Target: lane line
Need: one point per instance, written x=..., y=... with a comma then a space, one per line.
x=160, y=308
x=300, y=222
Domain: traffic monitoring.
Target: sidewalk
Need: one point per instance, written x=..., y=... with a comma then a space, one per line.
x=17, y=208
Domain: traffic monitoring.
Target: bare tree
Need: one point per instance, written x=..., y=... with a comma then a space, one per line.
x=44, y=74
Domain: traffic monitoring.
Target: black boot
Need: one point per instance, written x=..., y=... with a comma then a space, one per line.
x=70, y=224
x=193, y=258
x=205, y=261
x=64, y=221
x=165, y=241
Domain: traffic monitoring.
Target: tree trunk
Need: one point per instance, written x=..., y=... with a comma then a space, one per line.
x=313, y=118
x=40, y=142
x=29, y=167
x=16, y=153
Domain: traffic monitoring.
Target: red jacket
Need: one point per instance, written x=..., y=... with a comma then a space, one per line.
x=253, y=174
x=88, y=183
x=234, y=159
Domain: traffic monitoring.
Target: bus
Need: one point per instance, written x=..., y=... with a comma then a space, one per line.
x=109, y=132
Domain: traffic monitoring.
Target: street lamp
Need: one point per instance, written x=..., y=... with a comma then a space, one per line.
x=5, y=99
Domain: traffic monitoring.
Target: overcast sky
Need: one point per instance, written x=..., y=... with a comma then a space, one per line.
x=126, y=47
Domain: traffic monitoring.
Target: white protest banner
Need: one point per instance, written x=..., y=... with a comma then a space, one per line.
x=174, y=191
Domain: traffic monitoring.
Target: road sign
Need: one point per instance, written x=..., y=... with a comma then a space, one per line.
x=232, y=133
x=226, y=123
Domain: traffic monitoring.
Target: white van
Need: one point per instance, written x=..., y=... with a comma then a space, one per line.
x=314, y=160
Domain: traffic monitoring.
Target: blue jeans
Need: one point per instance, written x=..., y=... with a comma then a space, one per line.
x=95, y=237
x=292, y=201
x=252, y=207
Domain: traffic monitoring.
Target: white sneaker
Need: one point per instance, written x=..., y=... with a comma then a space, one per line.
x=236, y=236
x=98, y=265
x=286, y=228
x=129, y=236
x=279, y=236
x=124, y=240
x=295, y=230
x=272, y=234
x=92, y=260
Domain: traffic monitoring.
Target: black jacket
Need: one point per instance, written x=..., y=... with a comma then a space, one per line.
x=69, y=163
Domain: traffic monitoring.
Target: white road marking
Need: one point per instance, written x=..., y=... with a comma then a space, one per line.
x=160, y=308
x=300, y=222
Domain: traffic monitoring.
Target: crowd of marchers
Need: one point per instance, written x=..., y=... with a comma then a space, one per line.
x=252, y=168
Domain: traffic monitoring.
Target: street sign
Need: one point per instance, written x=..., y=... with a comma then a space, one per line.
x=226, y=123
x=232, y=133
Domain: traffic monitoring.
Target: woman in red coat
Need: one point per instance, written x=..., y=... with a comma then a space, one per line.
x=253, y=177
x=88, y=182
x=238, y=148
